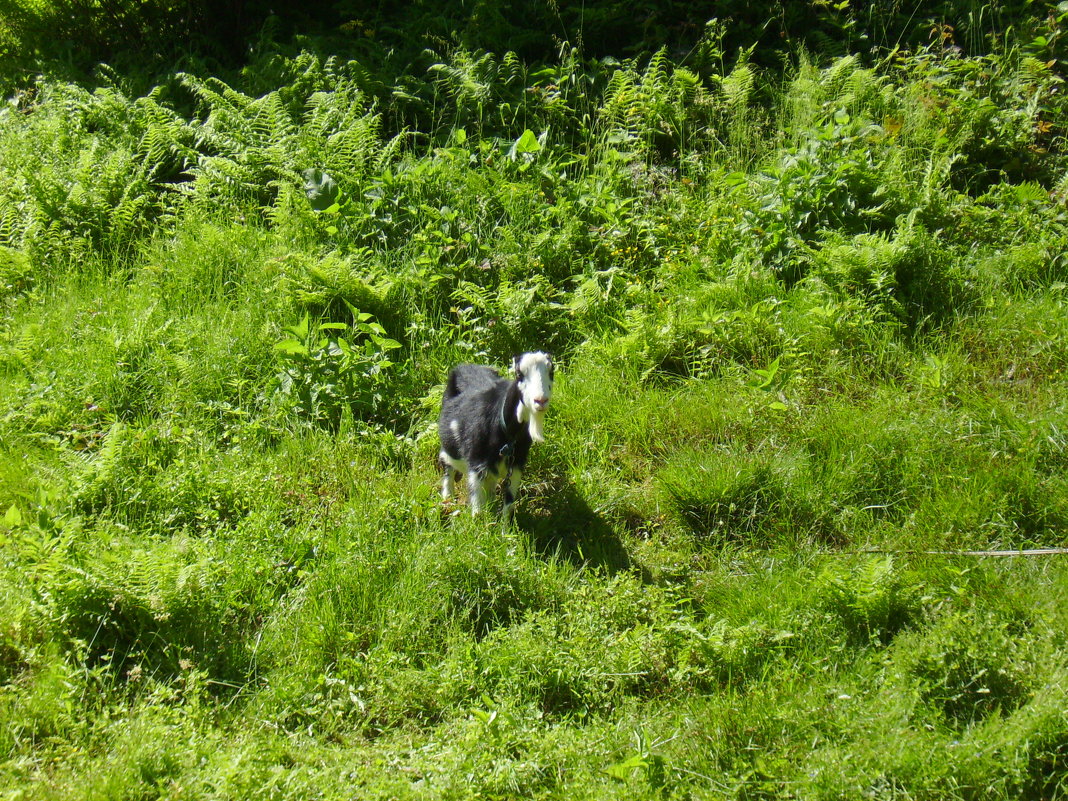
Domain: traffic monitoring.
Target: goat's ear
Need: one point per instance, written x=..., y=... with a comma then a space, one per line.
x=515, y=364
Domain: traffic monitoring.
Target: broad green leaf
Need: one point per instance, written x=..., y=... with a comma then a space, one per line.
x=735, y=179
x=527, y=143
x=300, y=331
x=623, y=770
x=292, y=347
x=320, y=188
x=13, y=517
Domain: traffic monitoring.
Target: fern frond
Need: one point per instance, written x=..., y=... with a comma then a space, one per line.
x=390, y=152
x=738, y=87
x=837, y=77
x=657, y=73
x=352, y=148
x=622, y=100
x=12, y=222
x=511, y=70
x=687, y=85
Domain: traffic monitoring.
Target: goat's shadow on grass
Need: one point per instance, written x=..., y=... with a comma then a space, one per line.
x=562, y=525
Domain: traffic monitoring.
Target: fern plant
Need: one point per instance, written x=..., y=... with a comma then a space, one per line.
x=91, y=171
x=906, y=277
x=661, y=110
x=873, y=599
x=251, y=149
x=482, y=91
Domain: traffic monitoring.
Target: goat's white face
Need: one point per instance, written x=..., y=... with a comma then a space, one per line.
x=534, y=372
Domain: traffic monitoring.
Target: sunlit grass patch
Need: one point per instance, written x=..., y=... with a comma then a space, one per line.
x=811, y=347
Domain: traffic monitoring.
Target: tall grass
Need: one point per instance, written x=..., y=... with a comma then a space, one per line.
x=796, y=322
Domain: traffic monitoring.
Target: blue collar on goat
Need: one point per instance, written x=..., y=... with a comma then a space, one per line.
x=507, y=451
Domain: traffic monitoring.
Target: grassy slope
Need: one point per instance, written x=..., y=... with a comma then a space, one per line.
x=226, y=573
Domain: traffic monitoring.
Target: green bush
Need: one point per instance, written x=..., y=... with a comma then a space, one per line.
x=600, y=646
x=873, y=598
x=762, y=501
x=968, y=666
x=326, y=376
x=172, y=606
x=156, y=479
x=16, y=274
x=832, y=181
x=908, y=277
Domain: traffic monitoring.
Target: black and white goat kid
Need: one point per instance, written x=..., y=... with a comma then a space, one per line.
x=488, y=424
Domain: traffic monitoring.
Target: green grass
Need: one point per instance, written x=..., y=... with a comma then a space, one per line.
x=811, y=342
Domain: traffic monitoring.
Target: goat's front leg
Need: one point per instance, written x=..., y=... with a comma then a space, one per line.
x=511, y=491
x=449, y=476
x=476, y=491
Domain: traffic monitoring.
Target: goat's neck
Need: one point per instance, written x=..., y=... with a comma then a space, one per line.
x=522, y=415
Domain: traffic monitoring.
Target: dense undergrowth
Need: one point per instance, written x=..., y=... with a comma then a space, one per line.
x=812, y=335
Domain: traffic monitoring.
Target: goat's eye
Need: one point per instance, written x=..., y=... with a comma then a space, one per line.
x=519, y=375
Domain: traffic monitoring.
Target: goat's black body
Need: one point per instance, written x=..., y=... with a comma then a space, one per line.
x=478, y=423
x=488, y=424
